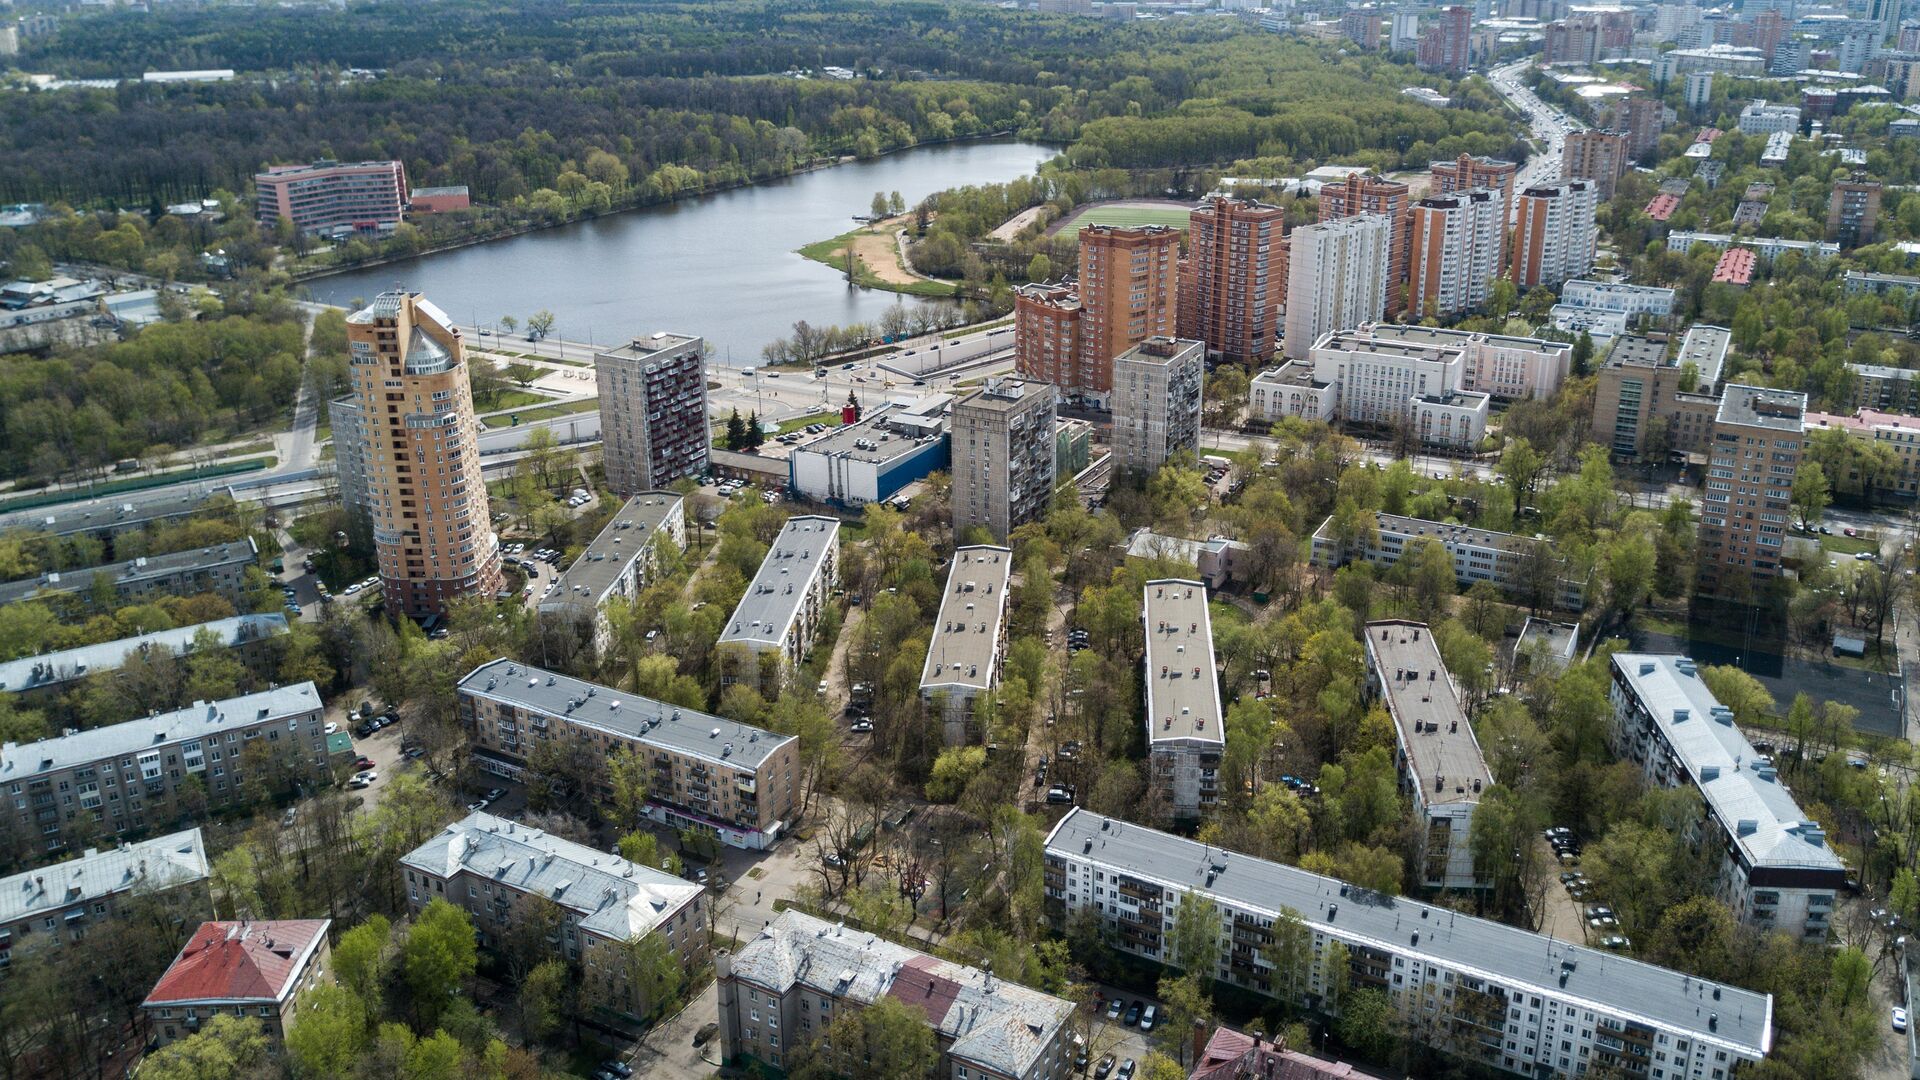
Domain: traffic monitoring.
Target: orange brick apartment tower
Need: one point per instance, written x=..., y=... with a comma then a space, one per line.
x=1468, y=172
x=424, y=489
x=1237, y=257
x=1371, y=195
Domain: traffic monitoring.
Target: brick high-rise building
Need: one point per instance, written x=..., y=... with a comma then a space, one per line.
x=1572, y=41
x=1554, y=235
x=425, y=492
x=1755, y=452
x=1456, y=252
x=1335, y=275
x=1447, y=44
x=333, y=197
x=1853, y=212
x=653, y=411
x=1236, y=279
x=1642, y=119
x=1362, y=27
x=1127, y=292
x=1468, y=172
x=1390, y=199
x=1769, y=29
x=1595, y=155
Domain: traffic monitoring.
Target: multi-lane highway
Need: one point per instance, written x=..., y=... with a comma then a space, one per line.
x=1550, y=125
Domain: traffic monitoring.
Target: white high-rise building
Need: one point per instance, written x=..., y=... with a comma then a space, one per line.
x=1405, y=34
x=1336, y=278
x=1699, y=89
x=1456, y=251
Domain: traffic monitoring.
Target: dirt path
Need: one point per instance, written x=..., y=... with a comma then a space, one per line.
x=879, y=252
x=1012, y=226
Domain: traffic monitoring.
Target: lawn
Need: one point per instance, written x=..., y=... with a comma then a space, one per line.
x=834, y=253
x=513, y=399
x=545, y=412
x=1838, y=544
x=1127, y=216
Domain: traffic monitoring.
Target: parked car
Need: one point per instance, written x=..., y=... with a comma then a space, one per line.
x=1147, y=1017
x=861, y=726
x=1104, y=1069
x=1133, y=1012
x=1114, y=1008
x=363, y=763
x=1126, y=1070
x=1899, y=1018
x=1616, y=942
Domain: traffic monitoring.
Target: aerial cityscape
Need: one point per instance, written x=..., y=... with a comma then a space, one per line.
x=911, y=539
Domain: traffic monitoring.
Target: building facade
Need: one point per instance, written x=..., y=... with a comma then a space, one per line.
x=1237, y=281
x=1339, y=275
x=1776, y=869
x=1003, y=456
x=1441, y=767
x=432, y=532
x=1898, y=434
x=1502, y=366
x=1186, y=735
x=1369, y=194
x=963, y=656
x=250, y=639
x=733, y=781
x=1382, y=381
x=1447, y=43
x=786, y=986
x=1157, y=391
x=1127, y=291
x=1649, y=404
x=1753, y=458
x=333, y=198
x=129, y=778
x=53, y=905
x=1513, y=1000
x=1554, y=234
x=1853, y=213
x=783, y=604
x=220, y=570
x=1516, y=564
x=254, y=970
x=871, y=459
x=1457, y=240
x=350, y=446
x=653, y=411
x=1760, y=118
x=1467, y=173
x=505, y=874
x=1597, y=156
x=620, y=561
x=1887, y=389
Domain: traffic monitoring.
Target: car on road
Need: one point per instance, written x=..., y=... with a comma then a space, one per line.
x=1899, y=1019
x=706, y=1033
x=1059, y=794
x=286, y=819
x=861, y=726
x=1616, y=942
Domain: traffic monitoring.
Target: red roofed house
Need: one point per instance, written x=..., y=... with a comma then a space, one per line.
x=1735, y=267
x=1231, y=1055
x=1708, y=134
x=1663, y=206
x=252, y=969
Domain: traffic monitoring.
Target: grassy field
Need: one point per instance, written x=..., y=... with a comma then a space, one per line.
x=1126, y=216
x=512, y=399
x=545, y=412
x=1839, y=544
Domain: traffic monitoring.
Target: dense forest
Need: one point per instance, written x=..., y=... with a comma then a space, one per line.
x=510, y=101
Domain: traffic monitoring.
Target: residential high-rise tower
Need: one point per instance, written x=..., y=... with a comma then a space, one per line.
x=1237, y=257
x=653, y=411
x=1335, y=278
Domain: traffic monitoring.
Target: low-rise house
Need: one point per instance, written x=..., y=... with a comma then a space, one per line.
x=254, y=970
x=1514, y=563
x=619, y=563
x=963, y=657
x=55, y=904
x=780, y=610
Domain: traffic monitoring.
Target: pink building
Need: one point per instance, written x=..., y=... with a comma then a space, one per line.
x=332, y=197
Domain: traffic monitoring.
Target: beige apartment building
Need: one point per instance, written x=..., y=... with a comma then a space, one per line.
x=1127, y=291
x=1639, y=408
x=775, y=620
x=653, y=411
x=1003, y=456
x=52, y=905
x=737, y=782
x=1758, y=435
x=1370, y=194
x=619, y=563
x=425, y=492
x=784, y=988
x=125, y=779
x=503, y=873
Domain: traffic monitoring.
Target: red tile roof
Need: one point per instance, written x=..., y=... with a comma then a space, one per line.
x=1735, y=267
x=1663, y=206
x=1708, y=134
x=916, y=984
x=1231, y=1055
x=239, y=961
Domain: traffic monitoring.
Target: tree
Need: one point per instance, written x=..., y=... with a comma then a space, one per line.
x=1194, y=946
x=544, y=996
x=654, y=974
x=1582, y=353
x=953, y=770
x=522, y=373
x=896, y=205
x=630, y=776
x=331, y=1034
x=360, y=962
x=1366, y=1023
x=1188, y=1003
x=1811, y=494
x=540, y=323
x=1039, y=268
x=509, y=324
x=888, y=1038
x=439, y=957
x=226, y=1048
x=736, y=431
x=878, y=209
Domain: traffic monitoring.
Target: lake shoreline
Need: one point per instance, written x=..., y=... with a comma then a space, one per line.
x=818, y=165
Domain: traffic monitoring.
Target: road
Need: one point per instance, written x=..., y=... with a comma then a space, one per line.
x=1550, y=127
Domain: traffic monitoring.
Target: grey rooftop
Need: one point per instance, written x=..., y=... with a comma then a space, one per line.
x=70, y=665
x=629, y=716
x=779, y=587
x=1758, y=406
x=132, y=570
x=1183, y=686
x=1715, y=1013
x=967, y=639
x=150, y=865
x=1442, y=753
x=619, y=543
x=202, y=719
